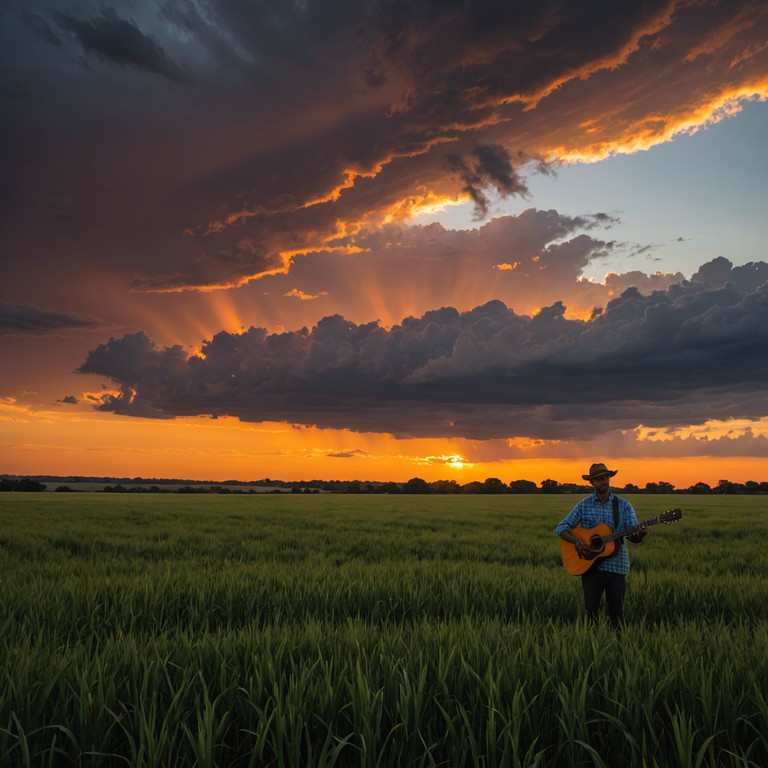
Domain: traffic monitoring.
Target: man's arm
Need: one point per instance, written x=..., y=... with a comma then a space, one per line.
x=563, y=530
x=637, y=537
x=571, y=539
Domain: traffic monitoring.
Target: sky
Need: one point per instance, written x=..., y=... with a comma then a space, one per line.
x=382, y=240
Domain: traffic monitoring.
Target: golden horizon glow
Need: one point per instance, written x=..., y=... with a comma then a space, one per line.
x=67, y=441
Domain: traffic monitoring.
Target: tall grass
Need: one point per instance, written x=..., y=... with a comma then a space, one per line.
x=372, y=631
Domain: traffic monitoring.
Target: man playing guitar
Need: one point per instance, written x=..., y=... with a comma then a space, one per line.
x=606, y=573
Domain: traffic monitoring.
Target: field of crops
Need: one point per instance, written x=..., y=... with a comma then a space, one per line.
x=306, y=630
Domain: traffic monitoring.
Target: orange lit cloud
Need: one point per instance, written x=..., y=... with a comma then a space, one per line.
x=295, y=293
x=651, y=28
x=657, y=129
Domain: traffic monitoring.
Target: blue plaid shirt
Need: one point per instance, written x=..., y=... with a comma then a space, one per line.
x=589, y=512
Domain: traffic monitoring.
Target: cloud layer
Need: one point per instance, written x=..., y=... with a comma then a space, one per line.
x=29, y=319
x=680, y=356
x=209, y=144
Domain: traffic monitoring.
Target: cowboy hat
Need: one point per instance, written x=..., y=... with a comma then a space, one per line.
x=596, y=470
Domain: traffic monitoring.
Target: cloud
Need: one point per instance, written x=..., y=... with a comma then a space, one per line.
x=491, y=166
x=674, y=357
x=112, y=39
x=29, y=319
x=347, y=454
x=313, y=120
x=527, y=261
x=295, y=293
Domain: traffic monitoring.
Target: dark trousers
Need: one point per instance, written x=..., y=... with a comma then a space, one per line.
x=594, y=583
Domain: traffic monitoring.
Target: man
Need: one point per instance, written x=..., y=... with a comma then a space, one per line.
x=608, y=575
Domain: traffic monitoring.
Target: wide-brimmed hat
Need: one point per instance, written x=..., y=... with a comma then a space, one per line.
x=596, y=470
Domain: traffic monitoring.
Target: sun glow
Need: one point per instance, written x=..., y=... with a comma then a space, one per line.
x=425, y=204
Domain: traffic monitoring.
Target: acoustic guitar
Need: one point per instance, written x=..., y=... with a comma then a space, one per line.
x=602, y=542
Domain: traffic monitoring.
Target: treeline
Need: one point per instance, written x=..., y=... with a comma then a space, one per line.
x=415, y=485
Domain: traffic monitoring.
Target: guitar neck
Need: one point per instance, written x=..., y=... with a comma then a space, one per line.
x=633, y=529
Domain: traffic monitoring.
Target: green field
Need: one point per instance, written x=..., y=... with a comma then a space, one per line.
x=318, y=630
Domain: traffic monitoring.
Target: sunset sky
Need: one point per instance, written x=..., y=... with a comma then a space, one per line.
x=346, y=239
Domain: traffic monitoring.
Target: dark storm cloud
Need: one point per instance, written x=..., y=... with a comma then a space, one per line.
x=111, y=39
x=491, y=166
x=297, y=120
x=29, y=319
x=40, y=26
x=664, y=358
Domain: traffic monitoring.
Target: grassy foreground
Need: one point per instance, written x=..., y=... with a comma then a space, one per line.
x=262, y=630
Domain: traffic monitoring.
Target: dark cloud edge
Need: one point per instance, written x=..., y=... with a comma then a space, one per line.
x=29, y=319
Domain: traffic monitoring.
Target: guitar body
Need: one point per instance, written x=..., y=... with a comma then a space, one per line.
x=599, y=549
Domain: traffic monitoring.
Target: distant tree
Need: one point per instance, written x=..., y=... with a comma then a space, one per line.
x=27, y=484
x=417, y=485
x=354, y=487
x=6, y=484
x=631, y=488
x=726, y=486
x=549, y=486
x=445, y=486
x=494, y=485
x=700, y=488
x=523, y=486
x=390, y=487
x=63, y=489
x=475, y=486
x=651, y=487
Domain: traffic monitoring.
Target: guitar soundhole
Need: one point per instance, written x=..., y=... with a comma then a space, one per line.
x=596, y=543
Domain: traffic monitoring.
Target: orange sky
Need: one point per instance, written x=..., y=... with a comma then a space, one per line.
x=55, y=443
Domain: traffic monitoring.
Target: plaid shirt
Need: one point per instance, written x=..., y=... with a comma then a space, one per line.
x=589, y=512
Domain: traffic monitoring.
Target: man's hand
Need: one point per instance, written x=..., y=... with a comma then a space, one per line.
x=581, y=547
x=638, y=536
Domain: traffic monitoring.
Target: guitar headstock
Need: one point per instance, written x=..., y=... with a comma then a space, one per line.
x=670, y=516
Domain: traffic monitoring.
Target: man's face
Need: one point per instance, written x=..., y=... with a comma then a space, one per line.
x=601, y=484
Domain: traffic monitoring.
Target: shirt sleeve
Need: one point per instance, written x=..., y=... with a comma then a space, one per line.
x=630, y=518
x=571, y=520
